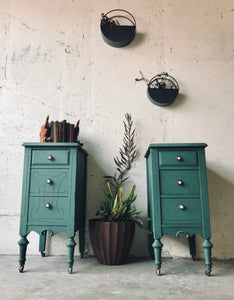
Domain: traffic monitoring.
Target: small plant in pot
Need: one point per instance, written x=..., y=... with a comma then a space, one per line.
x=111, y=235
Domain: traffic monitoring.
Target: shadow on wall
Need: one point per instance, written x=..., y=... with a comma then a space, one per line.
x=221, y=205
x=95, y=187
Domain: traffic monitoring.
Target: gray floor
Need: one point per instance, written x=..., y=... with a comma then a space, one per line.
x=47, y=278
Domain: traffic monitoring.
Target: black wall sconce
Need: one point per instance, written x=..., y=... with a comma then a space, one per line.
x=118, y=27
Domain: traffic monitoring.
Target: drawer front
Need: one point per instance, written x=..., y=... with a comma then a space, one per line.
x=48, y=210
x=50, y=157
x=179, y=182
x=49, y=182
x=179, y=211
x=178, y=158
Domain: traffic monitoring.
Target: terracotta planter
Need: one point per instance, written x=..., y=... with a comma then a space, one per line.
x=111, y=242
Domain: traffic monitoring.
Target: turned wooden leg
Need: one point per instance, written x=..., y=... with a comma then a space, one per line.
x=157, y=245
x=82, y=241
x=23, y=243
x=207, y=245
x=42, y=243
x=70, y=253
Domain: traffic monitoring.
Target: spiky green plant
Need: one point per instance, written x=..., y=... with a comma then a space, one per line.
x=117, y=209
x=127, y=155
x=114, y=208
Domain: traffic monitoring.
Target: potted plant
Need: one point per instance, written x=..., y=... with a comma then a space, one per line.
x=111, y=235
x=162, y=89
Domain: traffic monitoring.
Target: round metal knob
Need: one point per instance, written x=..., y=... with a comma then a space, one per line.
x=180, y=182
x=181, y=206
x=48, y=205
x=49, y=181
x=179, y=158
x=50, y=157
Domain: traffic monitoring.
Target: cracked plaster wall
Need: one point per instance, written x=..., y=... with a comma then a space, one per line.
x=53, y=61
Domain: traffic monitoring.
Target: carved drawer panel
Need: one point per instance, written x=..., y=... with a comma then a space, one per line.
x=47, y=210
x=49, y=182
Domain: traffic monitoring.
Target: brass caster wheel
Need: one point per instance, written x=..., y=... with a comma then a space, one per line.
x=70, y=270
x=158, y=271
x=207, y=272
x=43, y=254
x=21, y=268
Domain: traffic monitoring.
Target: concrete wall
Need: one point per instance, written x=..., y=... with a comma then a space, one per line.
x=54, y=61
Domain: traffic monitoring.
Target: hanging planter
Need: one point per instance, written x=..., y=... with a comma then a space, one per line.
x=162, y=89
x=118, y=27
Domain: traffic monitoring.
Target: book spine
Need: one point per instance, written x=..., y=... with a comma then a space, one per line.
x=60, y=131
x=68, y=132
x=57, y=133
x=54, y=132
x=64, y=131
x=51, y=131
x=71, y=136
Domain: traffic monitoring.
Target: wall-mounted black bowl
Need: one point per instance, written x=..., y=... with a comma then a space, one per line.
x=118, y=28
x=162, y=89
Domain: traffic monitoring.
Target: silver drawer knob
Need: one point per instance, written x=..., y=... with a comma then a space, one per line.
x=49, y=181
x=180, y=182
x=179, y=158
x=48, y=205
x=181, y=206
x=50, y=157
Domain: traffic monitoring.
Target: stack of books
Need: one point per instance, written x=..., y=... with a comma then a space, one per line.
x=59, y=131
x=63, y=131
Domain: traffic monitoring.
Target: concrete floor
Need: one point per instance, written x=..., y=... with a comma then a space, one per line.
x=47, y=278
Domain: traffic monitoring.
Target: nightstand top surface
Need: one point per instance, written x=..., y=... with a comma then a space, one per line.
x=175, y=145
x=48, y=145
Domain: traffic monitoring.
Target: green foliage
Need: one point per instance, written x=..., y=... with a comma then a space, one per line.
x=114, y=208
x=127, y=155
x=117, y=209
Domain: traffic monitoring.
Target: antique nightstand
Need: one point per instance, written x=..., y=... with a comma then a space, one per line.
x=178, y=196
x=53, y=195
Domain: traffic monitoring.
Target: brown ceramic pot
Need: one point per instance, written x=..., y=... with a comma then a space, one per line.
x=111, y=241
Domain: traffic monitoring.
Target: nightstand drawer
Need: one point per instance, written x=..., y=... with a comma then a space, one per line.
x=179, y=211
x=179, y=182
x=47, y=210
x=50, y=157
x=49, y=182
x=177, y=158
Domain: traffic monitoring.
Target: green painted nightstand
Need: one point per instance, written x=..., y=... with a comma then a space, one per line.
x=178, y=196
x=53, y=195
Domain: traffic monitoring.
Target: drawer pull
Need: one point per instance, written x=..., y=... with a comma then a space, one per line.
x=179, y=158
x=180, y=182
x=48, y=205
x=49, y=181
x=50, y=157
x=181, y=206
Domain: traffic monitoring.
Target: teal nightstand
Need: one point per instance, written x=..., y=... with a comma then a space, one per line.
x=53, y=195
x=178, y=196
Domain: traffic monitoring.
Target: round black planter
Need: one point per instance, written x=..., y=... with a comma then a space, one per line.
x=117, y=35
x=111, y=241
x=162, y=89
x=162, y=97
